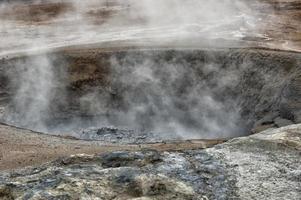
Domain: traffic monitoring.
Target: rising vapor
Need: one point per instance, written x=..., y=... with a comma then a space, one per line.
x=160, y=96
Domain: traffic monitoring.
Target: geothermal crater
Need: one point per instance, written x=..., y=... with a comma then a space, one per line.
x=148, y=99
x=151, y=93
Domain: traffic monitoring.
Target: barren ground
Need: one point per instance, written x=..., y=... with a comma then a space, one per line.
x=20, y=148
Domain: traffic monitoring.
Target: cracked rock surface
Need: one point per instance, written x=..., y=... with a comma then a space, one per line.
x=261, y=166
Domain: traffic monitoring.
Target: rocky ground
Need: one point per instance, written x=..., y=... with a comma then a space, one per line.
x=261, y=42
x=21, y=148
x=261, y=166
x=118, y=136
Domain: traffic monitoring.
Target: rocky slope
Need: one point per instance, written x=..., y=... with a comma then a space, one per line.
x=240, y=72
x=239, y=90
x=261, y=166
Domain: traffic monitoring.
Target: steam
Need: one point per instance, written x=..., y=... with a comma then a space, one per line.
x=33, y=82
x=191, y=23
x=165, y=97
x=168, y=96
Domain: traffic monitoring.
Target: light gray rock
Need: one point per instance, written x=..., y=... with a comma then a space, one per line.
x=280, y=122
x=262, y=166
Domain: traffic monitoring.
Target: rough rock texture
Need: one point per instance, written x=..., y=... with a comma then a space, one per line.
x=261, y=86
x=115, y=135
x=261, y=166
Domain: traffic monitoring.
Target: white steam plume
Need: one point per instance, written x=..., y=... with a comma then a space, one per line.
x=33, y=82
x=190, y=23
x=172, y=23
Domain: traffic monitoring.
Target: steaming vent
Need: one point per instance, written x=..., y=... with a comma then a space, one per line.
x=124, y=68
x=171, y=93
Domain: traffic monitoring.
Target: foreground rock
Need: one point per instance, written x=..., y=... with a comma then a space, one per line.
x=262, y=166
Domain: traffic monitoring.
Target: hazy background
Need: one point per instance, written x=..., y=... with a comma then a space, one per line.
x=190, y=23
x=158, y=96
